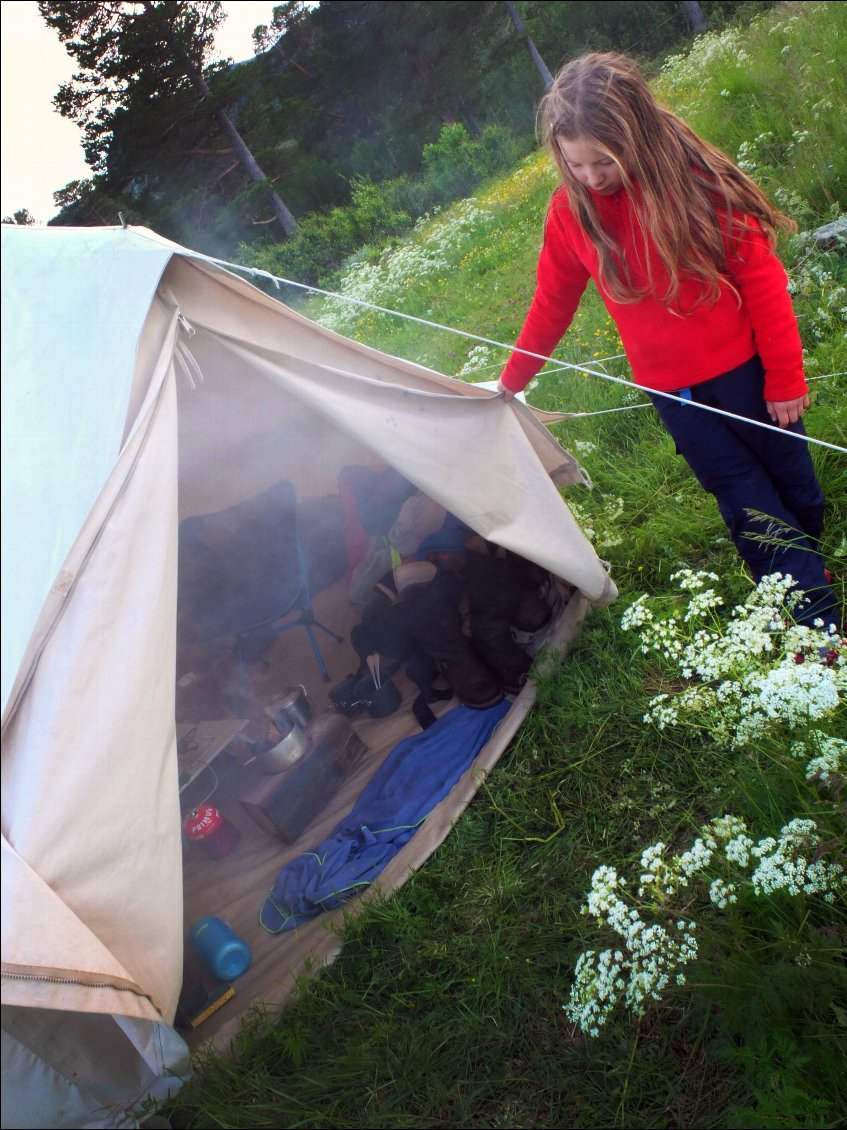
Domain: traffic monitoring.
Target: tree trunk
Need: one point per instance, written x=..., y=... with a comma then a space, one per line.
x=696, y=15
x=288, y=61
x=286, y=220
x=239, y=146
x=534, y=53
x=469, y=118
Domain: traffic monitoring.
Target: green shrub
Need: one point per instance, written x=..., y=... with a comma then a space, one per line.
x=457, y=163
x=324, y=240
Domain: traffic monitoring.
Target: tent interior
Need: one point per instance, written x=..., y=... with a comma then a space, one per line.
x=240, y=441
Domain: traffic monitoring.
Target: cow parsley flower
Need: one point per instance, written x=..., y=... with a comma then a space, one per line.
x=782, y=865
x=656, y=955
x=725, y=827
x=722, y=894
x=749, y=676
x=637, y=614
x=647, y=961
x=428, y=254
x=597, y=987
x=692, y=580
x=794, y=692
x=702, y=602
x=829, y=760
x=583, y=446
x=650, y=956
x=695, y=860
x=479, y=357
x=737, y=850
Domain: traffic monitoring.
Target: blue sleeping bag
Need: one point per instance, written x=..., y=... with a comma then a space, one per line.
x=415, y=776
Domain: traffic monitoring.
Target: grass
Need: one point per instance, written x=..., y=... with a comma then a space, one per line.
x=444, y=1008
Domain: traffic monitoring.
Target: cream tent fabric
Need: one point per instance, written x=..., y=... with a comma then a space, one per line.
x=143, y=383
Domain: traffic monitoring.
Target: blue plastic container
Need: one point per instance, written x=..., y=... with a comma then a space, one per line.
x=217, y=944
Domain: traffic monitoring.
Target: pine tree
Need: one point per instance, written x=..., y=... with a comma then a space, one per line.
x=141, y=57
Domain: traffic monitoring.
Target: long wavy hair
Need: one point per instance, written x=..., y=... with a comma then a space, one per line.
x=689, y=198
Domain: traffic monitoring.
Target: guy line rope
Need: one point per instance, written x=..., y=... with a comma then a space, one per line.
x=560, y=365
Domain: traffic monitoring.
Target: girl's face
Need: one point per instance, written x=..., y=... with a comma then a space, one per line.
x=591, y=166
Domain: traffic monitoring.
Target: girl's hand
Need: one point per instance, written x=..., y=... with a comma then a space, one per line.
x=507, y=392
x=785, y=412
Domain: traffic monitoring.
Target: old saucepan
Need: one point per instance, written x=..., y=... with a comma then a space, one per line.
x=286, y=751
x=292, y=706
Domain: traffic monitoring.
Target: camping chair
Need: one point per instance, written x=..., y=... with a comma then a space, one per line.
x=245, y=575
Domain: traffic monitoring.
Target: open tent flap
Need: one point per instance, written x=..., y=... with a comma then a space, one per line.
x=471, y=453
x=59, y=963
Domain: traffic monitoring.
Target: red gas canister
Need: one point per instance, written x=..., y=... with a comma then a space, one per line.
x=210, y=828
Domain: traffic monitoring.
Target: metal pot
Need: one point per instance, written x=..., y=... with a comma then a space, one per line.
x=286, y=752
x=293, y=706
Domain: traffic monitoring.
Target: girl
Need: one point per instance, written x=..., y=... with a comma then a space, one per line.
x=680, y=244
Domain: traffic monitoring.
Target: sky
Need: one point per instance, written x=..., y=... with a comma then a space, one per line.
x=40, y=149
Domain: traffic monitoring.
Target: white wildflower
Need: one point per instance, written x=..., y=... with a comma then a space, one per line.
x=651, y=956
x=829, y=758
x=695, y=860
x=725, y=827
x=647, y=962
x=784, y=867
x=794, y=692
x=702, y=602
x=656, y=955
x=428, y=253
x=722, y=894
x=737, y=850
x=637, y=614
x=480, y=357
x=745, y=675
x=693, y=580
x=596, y=989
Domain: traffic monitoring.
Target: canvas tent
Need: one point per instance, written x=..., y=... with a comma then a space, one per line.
x=144, y=384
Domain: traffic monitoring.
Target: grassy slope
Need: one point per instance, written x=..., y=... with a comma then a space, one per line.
x=444, y=1008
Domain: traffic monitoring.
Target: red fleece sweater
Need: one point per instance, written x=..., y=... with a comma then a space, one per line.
x=667, y=350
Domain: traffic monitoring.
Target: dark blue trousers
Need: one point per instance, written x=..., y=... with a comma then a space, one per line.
x=764, y=483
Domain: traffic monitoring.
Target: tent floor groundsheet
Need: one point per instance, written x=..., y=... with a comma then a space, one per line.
x=234, y=887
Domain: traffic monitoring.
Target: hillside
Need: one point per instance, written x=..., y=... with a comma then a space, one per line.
x=484, y=994
x=344, y=95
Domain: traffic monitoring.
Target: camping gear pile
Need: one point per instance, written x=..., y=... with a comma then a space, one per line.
x=417, y=617
x=145, y=386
